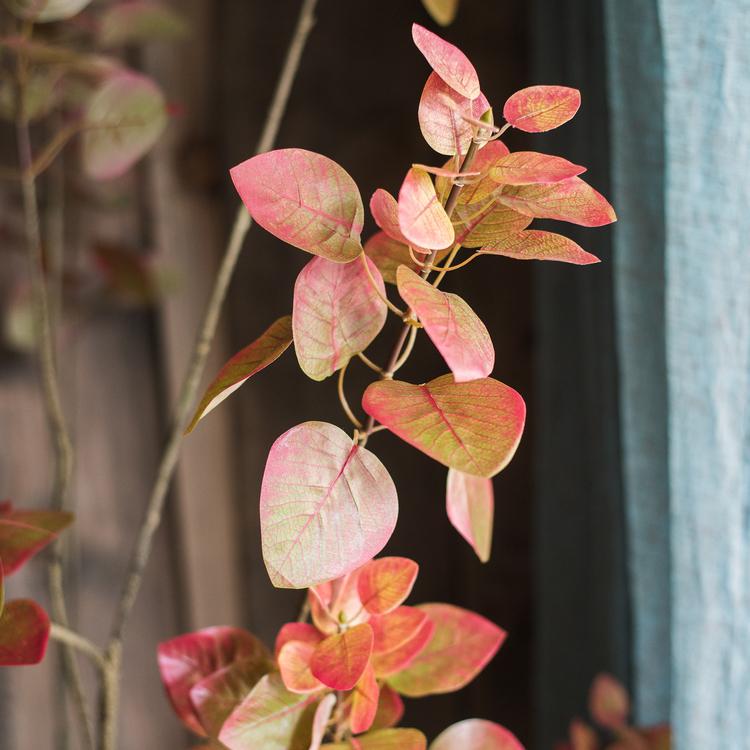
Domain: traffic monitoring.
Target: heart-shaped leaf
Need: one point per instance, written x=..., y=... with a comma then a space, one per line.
x=327, y=506
x=24, y=633
x=476, y=734
x=540, y=108
x=534, y=244
x=530, y=167
x=364, y=702
x=462, y=644
x=421, y=216
x=23, y=533
x=447, y=61
x=442, y=11
x=470, y=503
x=297, y=631
x=391, y=739
x=385, y=583
x=399, y=637
x=320, y=722
x=135, y=22
x=266, y=349
x=337, y=313
x=571, y=200
x=456, y=330
x=44, y=11
x=609, y=703
x=390, y=709
x=304, y=199
x=479, y=224
x=294, y=664
x=124, y=118
x=340, y=660
x=474, y=427
x=388, y=254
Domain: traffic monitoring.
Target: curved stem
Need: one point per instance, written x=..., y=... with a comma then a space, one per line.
x=367, y=361
x=405, y=355
x=342, y=398
x=398, y=311
x=69, y=637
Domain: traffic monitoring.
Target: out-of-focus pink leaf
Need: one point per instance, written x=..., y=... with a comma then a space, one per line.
x=421, y=216
x=447, y=61
x=388, y=254
x=124, y=118
x=23, y=533
x=135, y=22
x=399, y=637
x=44, y=11
x=305, y=199
x=534, y=244
x=390, y=709
x=391, y=739
x=267, y=348
x=340, y=660
x=441, y=116
x=474, y=427
x=571, y=200
x=364, y=702
x=540, y=108
x=582, y=736
x=385, y=583
x=462, y=644
x=470, y=503
x=476, y=734
x=24, y=632
x=188, y=659
x=442, y=11
x=479, y=224
x=268, y=718
x=609, y=704
x=455, y=329
x=327, y=506
x=297, y=631
x=294, y=664
x=320, y=722
x=337, y=313
x=530, y=167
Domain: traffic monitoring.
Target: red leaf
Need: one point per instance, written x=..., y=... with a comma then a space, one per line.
x=340, y=659
x=23, y=533
x=537, y=245
x=455, y=329
x=294, y=664
x=385, y=583
x=470, y=504
x=421, y=216
x=390, y=709
x=364, y=702
x=540, y=108
x=609, y=703
x=447, y=61
x=304, y=199
x=476, y=734
x=297, y=631
x=529, y=167
x=24, y=632
x=388, y=254
x=399, y=637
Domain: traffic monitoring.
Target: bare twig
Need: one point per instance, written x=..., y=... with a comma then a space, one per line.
x=69, y=637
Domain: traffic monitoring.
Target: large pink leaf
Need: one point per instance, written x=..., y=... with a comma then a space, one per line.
x=476, y=734
x=454, y=328
x=320, y=722
x=470, y=503
x=364, y=702
x=385, y=583
x=268, y=718
x=535, y=244
x=391, y=739
x=609, y=703
x=530, y=167
x=337, y=313
x=305, y=199
x=188, y=659
x=267, y=348
x=390, y=709
x=421, y=216
x=23, y=533
x=294, y=665
x=340, y=660
x=442, y=112
x=540, y=108
x=447, y=61
x=388, y=254
x=479, y=224
x=474, y=427
x=327, y=506
x=24, y=633
x=571, y=200
x=462, y=644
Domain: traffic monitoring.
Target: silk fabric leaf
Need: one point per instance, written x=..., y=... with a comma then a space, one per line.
x=24, y=633
x=461, y=646
x=421, y=215
x=385, y=583
x=534, y=244
x=477, y=734
x=391, y=739
x=327, y=506
x=479, y=224
x=470, y=503
x=336, y=314
x=390, y=709
x=456, y=330
x=571, y=200
x=474, y=427
x=294, y=666
x=340, y=660
x=393, y=660
x=609, y=703
x=452, y=65
x=388, y=254
x=45, y=11
x=265, y=350
x=304, y=199
x=364, y=702
x=476, y=190
x=23, y=533
x=442, y=11
x=540, y=108
x=530, y=167
x=320, y=722
x=394, y=629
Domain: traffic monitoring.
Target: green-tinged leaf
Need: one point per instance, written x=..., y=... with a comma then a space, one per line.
x=23, y=533
x=390, y=709
x=479, y=224
x=391, y=739
x=385, y=583
x=124, y=118
x=462, y=644
x=294, y=665
x=24, y=633
x=266, y=349
x=540, y=108
x=442, y=11
x=476, y=190
x=474, y=427
x=476, y=734
x=364, y=702
x=470, y=504
x=388, y=254
x=134, y=22
x=340, y=660
x=534, y=244
x=530, y=167
x=44, y=11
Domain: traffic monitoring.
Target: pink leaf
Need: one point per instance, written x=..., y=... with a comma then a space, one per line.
x=391, y=739
x=476, y=734
x=388, y=254
x=609, y=703
x=320, y=722
x=23, y=533
x=454, y=328
x=470, y=503
x=327, y=506
x=294, y=665
x=571, y=200
x=442, y=112
x=24, y=632
x=364, y=702
x=384, y=209
x=421, y=216
x=398, y=641
x=534, y=244
x=474, y=427
x=383, y=584
x=480, y=189
x=340, y=660
x=540, y=108
x=479, y=224
x=304, y=199
x=297, y=631
x=267, y=348
x=529, y=167
x=337, y=313
x=462, y=644
x=390, y=709
x=447, y=61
